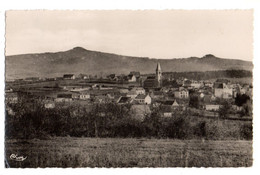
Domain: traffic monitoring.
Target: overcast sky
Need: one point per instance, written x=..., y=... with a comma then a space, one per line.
x=155, y=34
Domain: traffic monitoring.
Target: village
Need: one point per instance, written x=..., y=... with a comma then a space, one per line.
x=143, y=92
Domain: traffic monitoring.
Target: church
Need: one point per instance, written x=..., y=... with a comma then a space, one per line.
x=154, y=81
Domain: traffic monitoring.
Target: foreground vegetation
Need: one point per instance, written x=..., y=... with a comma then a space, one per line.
x=110, y=135
x=116, y=152
x=32, y=120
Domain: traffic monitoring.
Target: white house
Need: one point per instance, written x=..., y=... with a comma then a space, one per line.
x=196, y=84
x=212, y=107
x=143, y=99
x=84, y=96
x=181, y=94
x=138, y=90
x=131, y=78
x=221, y=90
x=49, y=105
x=69, y=76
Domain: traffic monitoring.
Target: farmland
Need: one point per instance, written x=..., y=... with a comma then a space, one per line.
x=128, y=152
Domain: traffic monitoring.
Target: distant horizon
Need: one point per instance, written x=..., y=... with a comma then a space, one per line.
x=131, y=55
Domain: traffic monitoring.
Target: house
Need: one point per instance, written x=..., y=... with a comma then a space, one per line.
x=84, y=96
x=172, y=103
x=132, y=94
x=201, y=95
x=49, y=104
x=212, y=107
x=63, y=98
x=165, y=89
x=143, y=99
x=167, y=111
x=136, y=74
x=101, y=99
x=221, y=90
x=138, y=90
x=196, y=84
x=69, y=76
x=125, y=100
x=75, y=95
x=8, y=89
x=187, y=83
x=208, y=84
x=9, y=111
x=208, y=98
x=237, y=108
x=184, y=93
x=123, y=91
x=150, y=82
x=131, y=78
x=83, y=76
x=112, y=77
x=11, y=97
x=157, y=94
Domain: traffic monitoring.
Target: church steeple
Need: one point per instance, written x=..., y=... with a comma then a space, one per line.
x=158, y=68
x=159, y=74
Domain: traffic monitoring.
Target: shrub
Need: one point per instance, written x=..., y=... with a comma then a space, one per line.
x=246, y=131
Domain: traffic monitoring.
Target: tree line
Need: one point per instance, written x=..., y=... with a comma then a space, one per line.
x=32, y=120
x=209, y=74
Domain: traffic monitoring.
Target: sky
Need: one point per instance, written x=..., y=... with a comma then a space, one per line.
x=151, y=33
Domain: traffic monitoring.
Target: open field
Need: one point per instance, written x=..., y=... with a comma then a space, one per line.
x=117, y=152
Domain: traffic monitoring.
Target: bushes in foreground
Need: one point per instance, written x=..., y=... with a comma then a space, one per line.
x=111, y=120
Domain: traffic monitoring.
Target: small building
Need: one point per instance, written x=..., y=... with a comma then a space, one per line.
x=112, y=77
x=212, y=107
x=167, y=111
x=63, y=98
x=172, y=103
x=221, y=90
x=181, y=94
x=136, y=74
x=143, y=99
x=208, y=84
x=69, y=76
x=49, y=104
x=132, y=94
x=187, y=83
x=101, y=99
x=124, y=100
x=157, y=94
x=237, y=108
x=131, y=78
x=9, y=111
x=123, y=91
x=84, y=96
x=196, y=84
x=138, y=90
x=11, y=97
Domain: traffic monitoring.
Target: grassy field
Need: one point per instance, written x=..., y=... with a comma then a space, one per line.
x=115, y=152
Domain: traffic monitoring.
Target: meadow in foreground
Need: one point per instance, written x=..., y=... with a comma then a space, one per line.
x=128, y=152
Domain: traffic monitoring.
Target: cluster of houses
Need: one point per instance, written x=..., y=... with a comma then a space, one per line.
x=149, y=91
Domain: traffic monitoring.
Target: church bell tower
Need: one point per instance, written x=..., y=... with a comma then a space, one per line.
x=159, y=74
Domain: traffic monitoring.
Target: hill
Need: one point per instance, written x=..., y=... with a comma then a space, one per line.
x=79, y=60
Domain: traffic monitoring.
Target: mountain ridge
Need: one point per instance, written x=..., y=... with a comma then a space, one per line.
x=80, y=60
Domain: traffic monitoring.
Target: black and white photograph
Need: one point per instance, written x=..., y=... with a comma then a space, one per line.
x=128, y=88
